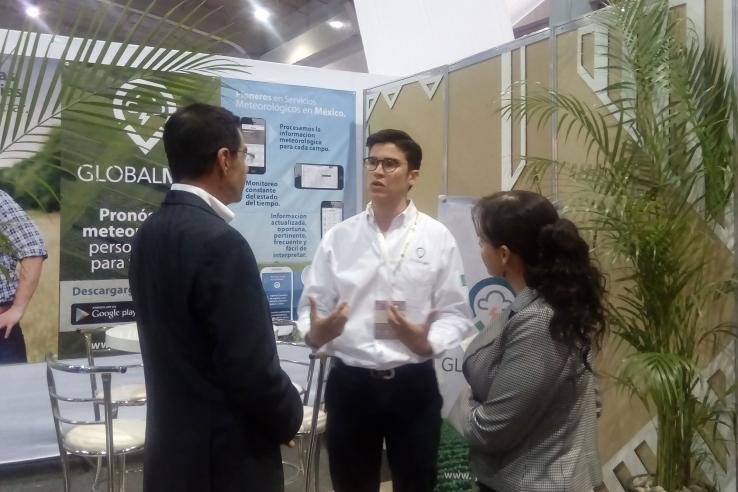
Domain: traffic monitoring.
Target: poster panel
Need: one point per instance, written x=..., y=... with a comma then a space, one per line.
x=116, y=175
x=487, y=295
x=301, y=152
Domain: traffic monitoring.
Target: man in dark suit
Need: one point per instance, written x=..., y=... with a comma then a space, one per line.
x=218, y=403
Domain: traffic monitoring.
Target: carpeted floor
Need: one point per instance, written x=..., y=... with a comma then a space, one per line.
x=454, y=474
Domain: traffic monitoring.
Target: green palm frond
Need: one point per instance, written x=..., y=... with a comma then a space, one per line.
x=78, y=74
x=659, y=376
x=668, y=384
x=64, y=105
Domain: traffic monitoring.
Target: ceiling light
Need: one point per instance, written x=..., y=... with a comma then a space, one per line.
x=336, y=24
x=32, y=11
x=262, y=14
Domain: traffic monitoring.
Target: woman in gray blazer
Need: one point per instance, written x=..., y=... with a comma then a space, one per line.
x=530, y=413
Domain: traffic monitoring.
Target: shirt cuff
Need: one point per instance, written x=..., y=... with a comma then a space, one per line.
x=438, y=346
x=31, y=252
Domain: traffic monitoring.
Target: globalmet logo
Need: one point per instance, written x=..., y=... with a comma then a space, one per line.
x=139, y=105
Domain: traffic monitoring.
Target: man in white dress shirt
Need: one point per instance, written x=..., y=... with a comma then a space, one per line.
x=385, y=295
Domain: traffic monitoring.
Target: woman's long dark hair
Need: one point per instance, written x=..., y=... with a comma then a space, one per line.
x=557, y=263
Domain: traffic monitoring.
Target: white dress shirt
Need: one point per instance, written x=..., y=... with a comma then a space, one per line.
x=223, y=212
x=349, y=265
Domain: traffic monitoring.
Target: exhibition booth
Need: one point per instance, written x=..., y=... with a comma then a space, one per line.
x=305, y=130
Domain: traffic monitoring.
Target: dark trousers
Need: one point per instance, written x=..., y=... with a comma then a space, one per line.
x=13, y=348
x=484, y=488
x=364, y=409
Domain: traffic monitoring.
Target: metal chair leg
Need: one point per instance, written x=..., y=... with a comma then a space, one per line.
x=98, y=469
x=305, y=461
x=106, y=377
x=121, y=468
x=313, y=443
x=65, y=469
x=302, y=453
x=111, y=474
x=310, y=467
x=316, y=466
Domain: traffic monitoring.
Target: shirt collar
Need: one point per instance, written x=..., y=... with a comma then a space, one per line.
x=218, y=207
x=522, y=299
x=405, y=217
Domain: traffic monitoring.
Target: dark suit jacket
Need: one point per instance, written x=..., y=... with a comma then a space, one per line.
x=530, y=412
x=218, y=403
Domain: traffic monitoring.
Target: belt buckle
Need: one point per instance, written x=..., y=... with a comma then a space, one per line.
x=385, y=374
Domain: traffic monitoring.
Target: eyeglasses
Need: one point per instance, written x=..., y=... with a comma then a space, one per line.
x=389, y=164
x=247, y=156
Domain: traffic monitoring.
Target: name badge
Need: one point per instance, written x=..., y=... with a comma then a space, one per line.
x=382, y=329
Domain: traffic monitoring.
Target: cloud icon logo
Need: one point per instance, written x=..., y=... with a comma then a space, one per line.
x=493, y=300
x=489, y=297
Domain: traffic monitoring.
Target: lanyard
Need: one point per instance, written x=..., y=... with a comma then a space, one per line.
x=393, y=266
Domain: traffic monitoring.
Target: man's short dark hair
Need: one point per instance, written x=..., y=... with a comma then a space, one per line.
x=403, y=141
x=194, y=134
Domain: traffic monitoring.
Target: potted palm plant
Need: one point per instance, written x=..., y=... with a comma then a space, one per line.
x=658, y=183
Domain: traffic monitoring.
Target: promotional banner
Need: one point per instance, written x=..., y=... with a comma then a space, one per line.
x=487, y=295
x=116, y=176
x=301, y=151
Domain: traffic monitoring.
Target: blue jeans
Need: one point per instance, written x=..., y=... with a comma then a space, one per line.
x=13, y=348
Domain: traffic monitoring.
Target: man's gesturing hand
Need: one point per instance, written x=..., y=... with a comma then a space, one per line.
x=323, y=329
x=414, y=336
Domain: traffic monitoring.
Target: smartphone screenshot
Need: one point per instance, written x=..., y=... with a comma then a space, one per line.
x=253, y=131
x=277, y=283
x=318, y=176
x=331, y=213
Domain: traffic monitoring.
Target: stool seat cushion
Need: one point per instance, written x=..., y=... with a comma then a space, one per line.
x=299, y=388
x=127, y=433
x=307, y=420
x=135, y=392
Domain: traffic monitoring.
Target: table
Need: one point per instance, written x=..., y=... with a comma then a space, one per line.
x=123, y=338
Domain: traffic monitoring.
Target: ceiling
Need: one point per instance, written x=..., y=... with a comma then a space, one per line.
x=296, y=33
x=231, y=21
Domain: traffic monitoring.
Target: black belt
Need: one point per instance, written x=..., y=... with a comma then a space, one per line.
x=385, y=374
